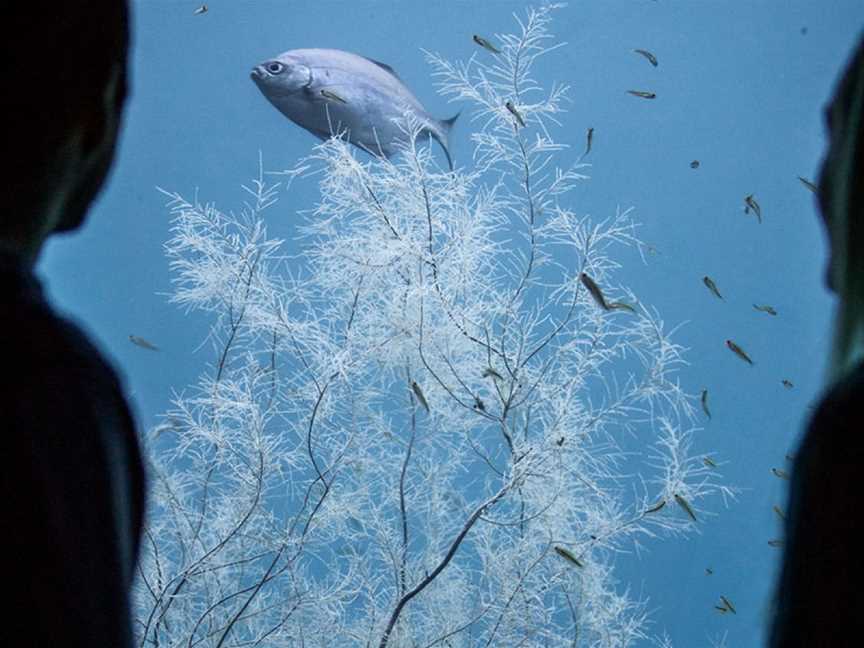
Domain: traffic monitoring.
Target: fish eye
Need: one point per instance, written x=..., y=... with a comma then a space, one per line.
x=275, y=67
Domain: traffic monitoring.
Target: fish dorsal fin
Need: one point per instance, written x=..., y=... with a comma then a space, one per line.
x=383, y=66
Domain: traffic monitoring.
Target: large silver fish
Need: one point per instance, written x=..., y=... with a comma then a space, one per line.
x=327, y=91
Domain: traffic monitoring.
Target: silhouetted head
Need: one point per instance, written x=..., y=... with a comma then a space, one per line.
x=64, y=92
x=841, y=199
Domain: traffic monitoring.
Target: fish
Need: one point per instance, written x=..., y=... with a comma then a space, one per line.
x=779, y=472
x=589, y=137
x=568, y=556
x=509, y=106
x=775, y=543
x=765, y=309
x=694, y=164
x=648, y=55
x=787, y=383
x=200, y=10
x=708, y=461
x=329, y=94
x=684, y=504
x=709, y=282
x=721, y=609
x=141, y=342
x=643, y=94
x=485, y=44
x=708, y=571
x=728, y=604
x=594, y=289
x=737, y=350
x=659, y=505
x=704, y=400
x=376, y=100
x=812, y=187
x=419, y=394
x=779, y=512
x=621, y=306
x=479, y=404
x=750, y=203
x=489, y=372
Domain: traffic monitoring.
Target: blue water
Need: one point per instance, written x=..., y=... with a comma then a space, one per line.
x=741, y=88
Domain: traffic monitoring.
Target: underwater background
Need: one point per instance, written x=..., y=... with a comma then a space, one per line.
x=739, y=86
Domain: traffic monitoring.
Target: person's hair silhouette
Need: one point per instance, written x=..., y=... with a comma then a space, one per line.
x=73, y=477
x=820, y=593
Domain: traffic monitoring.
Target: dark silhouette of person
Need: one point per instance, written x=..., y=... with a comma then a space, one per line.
x=820, y=593
x=73, y=481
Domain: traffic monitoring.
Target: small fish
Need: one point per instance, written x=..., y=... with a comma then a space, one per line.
x=737, y=350
x=560, y=442
x=779, y=472
x=200, y=10
x=750, y=203
x=489, y=372
x=708, y=571
x=509, y=106
x=479, y=404
x=812, y=187
x=787, y=383
x=594, y=289
x=485, y=44
x=721, y=609
x=704, y=400
x=332, y=96
x=709, y=283
x=765, y=309
x=419, y=394
x=779, y=512
x=569, y=557
x=684, y=504
x=789, y=457
x=708, y=461
x=589, y=137
x=728, y=604
x=694, y=164
x=643, y=94
x=648, y=55
x=775, y=543
x=659, y=505
x=141, y=342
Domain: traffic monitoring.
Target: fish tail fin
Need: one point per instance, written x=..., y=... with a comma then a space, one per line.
x=445, y=126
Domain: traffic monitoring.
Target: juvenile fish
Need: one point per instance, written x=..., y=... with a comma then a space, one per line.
x=728, y=604
x=332, y=96
x=708, y=461
x=812, y=187
x=787, y=383
x=684, y=504
x=708, y=571
x=648, y=55
x=694, y=164
x=704, y=400
x=779, y=472
x=737, y=350
x=489, y=372
x=709, y=283
x=750, y=203
x=419, y=394
x=643, y=94
x=485, y=44
x=765, y=309
x=779, y=512
x=509, y=106
x=775, y=543
x=568, y=556
x=594, y=289
x=621, y=306
x=479, y=404
x=141, y=342
x=588, y=139
x=200, y=10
